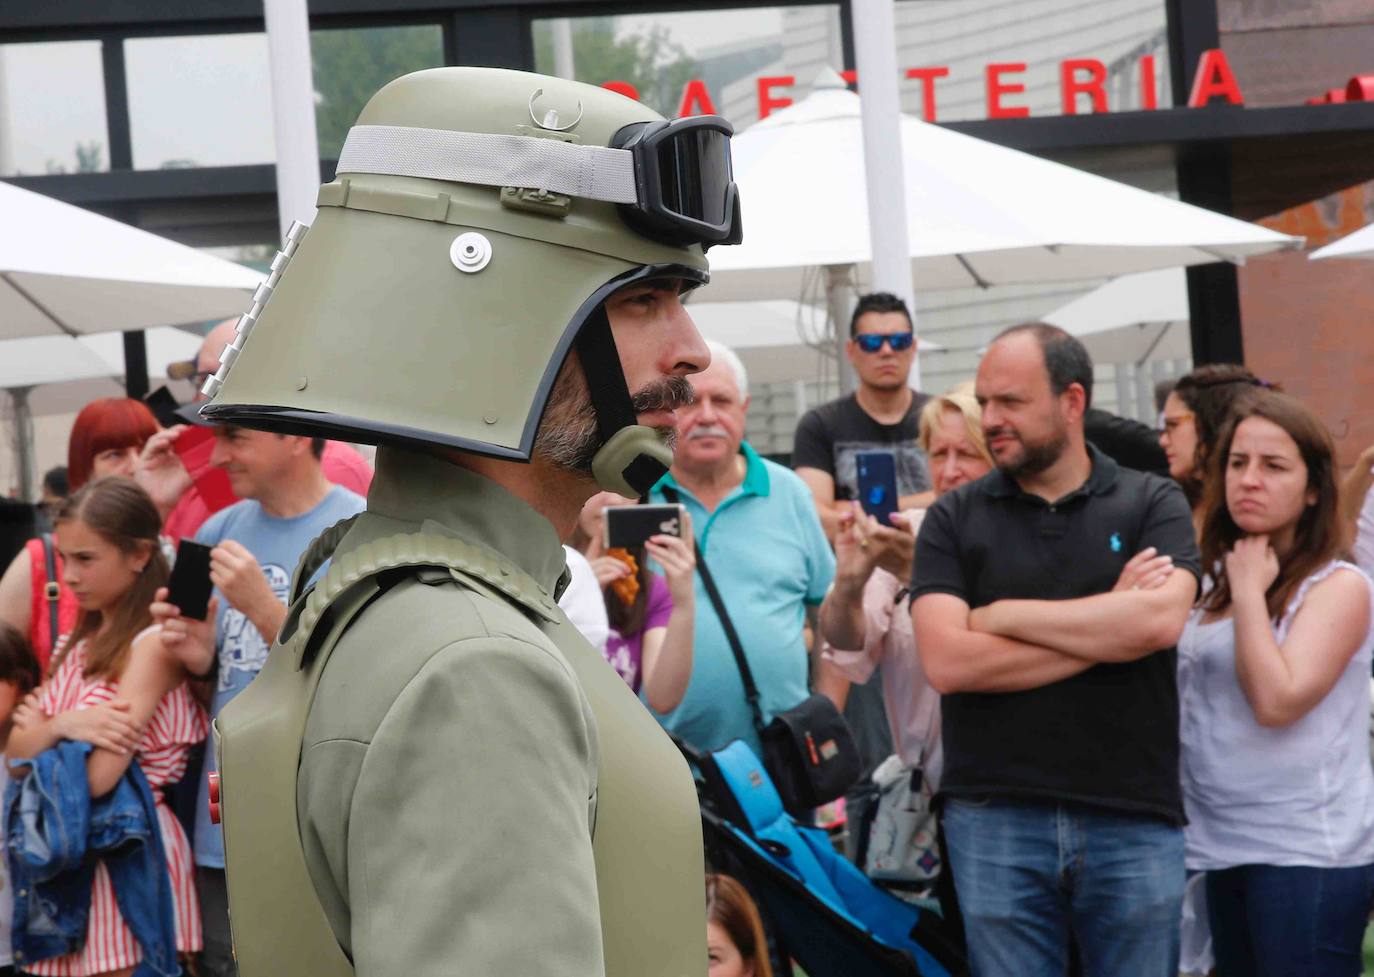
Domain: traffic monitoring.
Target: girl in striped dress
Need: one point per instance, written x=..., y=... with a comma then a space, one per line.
x=115, y=687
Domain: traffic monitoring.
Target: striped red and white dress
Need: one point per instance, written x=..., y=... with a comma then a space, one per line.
x=178, y=723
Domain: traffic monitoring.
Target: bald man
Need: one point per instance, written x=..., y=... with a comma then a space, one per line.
x=178, y=483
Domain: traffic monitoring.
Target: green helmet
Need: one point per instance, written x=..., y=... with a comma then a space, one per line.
x=478, y=222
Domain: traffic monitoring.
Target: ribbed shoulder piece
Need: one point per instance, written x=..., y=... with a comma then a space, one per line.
x=469, y=563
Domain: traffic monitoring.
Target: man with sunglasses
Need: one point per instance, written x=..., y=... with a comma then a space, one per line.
x=881, y=415
x=434, y=772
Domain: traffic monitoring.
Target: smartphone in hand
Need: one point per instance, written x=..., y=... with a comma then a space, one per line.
x=189, y=586
x=629, y=526
x=877, y=471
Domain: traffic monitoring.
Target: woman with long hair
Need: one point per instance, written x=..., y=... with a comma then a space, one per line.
x=115, y=687
x=1274, y=696
x=1194, y=417
x=106, y=439
x=735, y=943
x=652, y=616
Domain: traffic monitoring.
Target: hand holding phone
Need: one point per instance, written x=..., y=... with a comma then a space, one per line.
x=630, y=526
x=189, y=586
x=877, y=478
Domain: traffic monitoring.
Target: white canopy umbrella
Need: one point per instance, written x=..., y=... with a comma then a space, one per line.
x=977, y=213
x=1132, y=318
x=777, y=340
x=58, y=374
x=64, y=270
x=1357, y=245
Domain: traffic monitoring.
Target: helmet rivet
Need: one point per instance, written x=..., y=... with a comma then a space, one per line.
x=489, y=417
x=470, y=252
x=302, y=382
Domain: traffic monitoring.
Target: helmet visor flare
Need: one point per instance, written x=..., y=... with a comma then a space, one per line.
x=685, y=189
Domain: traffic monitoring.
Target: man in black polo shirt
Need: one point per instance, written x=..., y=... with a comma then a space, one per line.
x=1060, y=792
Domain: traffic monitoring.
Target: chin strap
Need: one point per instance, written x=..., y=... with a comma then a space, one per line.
x=632, y=458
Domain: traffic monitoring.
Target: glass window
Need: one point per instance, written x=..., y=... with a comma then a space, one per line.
x=199, y=101
x=207, y=101
x=350, y=65
x=991, y=58
x=701, y=62
x=52, y=109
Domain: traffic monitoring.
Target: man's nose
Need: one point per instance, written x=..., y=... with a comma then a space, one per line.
x=219, y=456
x=685, y=351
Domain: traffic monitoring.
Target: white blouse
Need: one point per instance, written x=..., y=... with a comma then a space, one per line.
x=1301, y=794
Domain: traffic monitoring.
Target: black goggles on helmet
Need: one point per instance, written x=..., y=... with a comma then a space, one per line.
x=685, y=189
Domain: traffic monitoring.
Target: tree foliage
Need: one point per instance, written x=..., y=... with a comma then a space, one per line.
x=350, y=65
x=652, y=61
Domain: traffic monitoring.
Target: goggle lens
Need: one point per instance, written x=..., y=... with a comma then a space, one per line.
x=871, y=342
x=694, y=175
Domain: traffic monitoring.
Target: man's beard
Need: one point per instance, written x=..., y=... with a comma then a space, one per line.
x=1035, y=458
x=568, y=437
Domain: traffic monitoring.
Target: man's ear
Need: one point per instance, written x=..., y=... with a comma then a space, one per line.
x=1075, y=401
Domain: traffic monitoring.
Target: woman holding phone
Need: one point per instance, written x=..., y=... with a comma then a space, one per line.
x=651, y=616
x=116, y=688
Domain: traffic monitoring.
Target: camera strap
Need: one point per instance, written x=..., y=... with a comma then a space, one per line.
x=751, y=690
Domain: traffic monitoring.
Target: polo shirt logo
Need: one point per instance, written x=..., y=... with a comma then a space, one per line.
x=1116, y=542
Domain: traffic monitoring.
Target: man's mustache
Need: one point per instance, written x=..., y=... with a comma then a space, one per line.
x=670, y=393
x=708, y=431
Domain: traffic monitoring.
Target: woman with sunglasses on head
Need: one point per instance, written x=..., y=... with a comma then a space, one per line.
x=1274, y=698
x=106, y=439
x=1195, y=414
x=115, y=687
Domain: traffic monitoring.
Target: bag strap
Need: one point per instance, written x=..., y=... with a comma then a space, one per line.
x=751, y=690
x=52, y=590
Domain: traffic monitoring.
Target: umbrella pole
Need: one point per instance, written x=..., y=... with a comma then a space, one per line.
x=135, y=364
x=840, y=297
x=23, y=440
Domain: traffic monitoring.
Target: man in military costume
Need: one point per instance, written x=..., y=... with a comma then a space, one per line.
x=435, y=774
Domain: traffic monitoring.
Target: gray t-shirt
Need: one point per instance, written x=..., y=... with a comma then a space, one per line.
x=278, y=545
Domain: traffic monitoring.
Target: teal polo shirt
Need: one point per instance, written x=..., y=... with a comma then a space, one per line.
x=770, y=559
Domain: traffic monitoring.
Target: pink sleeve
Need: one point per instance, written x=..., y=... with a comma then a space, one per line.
x=879, y=593
x=660, y=605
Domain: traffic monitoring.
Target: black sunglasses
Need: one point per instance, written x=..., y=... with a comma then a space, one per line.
x=871, y=342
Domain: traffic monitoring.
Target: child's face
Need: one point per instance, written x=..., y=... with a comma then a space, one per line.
x=9, y=698
x=97, y=572
x=724, y=957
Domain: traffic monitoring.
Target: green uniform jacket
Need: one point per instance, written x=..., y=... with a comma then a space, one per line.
x=479, y=792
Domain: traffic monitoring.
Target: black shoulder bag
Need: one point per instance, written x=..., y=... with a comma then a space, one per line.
x=808, y=750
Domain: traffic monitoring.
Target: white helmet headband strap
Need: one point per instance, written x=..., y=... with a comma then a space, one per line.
x=528, y=162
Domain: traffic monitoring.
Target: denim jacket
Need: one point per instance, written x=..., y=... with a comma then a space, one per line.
x=55, y=833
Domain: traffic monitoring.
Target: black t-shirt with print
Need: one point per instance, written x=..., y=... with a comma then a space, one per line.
x=829, y=436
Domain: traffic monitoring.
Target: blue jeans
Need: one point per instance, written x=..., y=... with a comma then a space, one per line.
x=1271, y=921
x=1032, y=876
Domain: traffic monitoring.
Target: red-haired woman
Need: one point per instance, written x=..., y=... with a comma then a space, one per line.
x=106, y=438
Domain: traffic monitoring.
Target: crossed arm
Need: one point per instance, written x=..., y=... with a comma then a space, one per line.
x=1014, y=645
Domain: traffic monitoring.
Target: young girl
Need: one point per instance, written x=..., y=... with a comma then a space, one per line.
x=1274, y=696
x=115, y=687
x=651, y=616
x=735, y=944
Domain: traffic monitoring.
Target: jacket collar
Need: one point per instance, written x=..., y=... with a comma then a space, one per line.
x=419, y=493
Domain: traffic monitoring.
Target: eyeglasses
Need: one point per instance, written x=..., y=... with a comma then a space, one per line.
x=871, y=342
x=1171, y=423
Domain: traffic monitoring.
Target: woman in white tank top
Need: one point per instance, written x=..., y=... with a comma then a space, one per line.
x=1274, y=672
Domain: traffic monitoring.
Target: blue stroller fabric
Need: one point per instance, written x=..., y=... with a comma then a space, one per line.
x=752, y=822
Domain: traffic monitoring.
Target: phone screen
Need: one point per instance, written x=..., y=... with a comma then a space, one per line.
x=877, y=477
x=189, y=586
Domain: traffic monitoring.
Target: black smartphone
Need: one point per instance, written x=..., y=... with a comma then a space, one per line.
x=629, y=526
x=877, y=471
x=189, y=586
